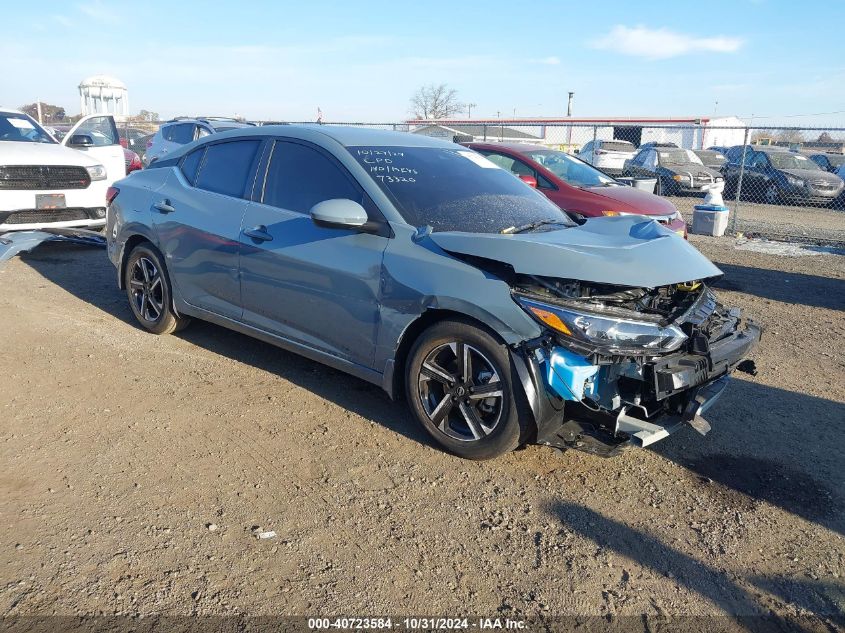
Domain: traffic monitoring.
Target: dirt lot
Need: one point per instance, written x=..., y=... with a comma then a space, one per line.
x=137, y=468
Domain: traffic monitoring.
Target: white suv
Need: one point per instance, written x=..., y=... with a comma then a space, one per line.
x=608, y=156
x=47, y=184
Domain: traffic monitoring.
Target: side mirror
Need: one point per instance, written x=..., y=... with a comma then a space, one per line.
x=81, y=140
x=576, y=151
x=339, y=213
x=531, y=181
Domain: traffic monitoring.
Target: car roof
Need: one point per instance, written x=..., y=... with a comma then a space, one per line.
x=345, y=135
x=519, y=148
x=5, y=110
x=767, y=149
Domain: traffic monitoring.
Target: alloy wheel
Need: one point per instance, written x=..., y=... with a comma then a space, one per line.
x=461, y=391
x=147, y=288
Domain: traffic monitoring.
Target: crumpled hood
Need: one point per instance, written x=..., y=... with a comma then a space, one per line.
x=623, y=250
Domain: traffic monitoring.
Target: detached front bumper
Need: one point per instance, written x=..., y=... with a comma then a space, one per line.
x=683, y=386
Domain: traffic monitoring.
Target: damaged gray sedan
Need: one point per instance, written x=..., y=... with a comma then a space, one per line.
x=420, y=266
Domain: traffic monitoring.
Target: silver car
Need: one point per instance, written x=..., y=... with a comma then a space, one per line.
x=180, y=131
x=420, y=266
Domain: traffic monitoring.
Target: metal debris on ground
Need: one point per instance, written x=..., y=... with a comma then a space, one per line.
x=15, y=242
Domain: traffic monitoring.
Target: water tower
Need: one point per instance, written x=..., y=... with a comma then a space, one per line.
x=102, y=94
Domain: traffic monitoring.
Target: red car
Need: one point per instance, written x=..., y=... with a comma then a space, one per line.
x=577, y=187
x=132, y=160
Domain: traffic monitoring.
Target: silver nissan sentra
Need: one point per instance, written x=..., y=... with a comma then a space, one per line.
x=420, y=266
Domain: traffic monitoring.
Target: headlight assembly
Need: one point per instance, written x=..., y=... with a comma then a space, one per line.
x=795, y=182
x=605, y=333
x=96, y=172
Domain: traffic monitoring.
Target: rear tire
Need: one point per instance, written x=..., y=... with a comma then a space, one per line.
x=149, y=292
x=449, y=404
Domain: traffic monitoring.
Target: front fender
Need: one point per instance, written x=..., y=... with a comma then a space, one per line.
x=419, y=277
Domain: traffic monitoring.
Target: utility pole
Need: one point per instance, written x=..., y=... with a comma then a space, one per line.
x=470, y=106
x=569, y=104
x=38, y=108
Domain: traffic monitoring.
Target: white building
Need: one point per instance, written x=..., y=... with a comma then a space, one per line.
x=102, y=94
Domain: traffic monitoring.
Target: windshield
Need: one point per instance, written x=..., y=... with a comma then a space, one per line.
x=19, y=127
x=454, y=189
x=710, y=158
x=788, y=160
x=571, y=170
x=678, y=157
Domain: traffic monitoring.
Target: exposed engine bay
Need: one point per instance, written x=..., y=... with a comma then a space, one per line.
x=629, y=365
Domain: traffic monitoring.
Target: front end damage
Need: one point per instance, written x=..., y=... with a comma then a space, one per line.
x=623, y=366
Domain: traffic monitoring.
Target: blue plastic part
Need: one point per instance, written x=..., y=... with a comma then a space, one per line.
x=712, y=207
x=570, y=376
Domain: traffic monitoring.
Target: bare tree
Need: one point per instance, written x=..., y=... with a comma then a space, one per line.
x=435, y=102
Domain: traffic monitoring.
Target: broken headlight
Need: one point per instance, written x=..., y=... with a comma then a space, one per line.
x=606, y=333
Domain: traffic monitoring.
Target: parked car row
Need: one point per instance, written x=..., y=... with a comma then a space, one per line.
x=775, y=174
x=770, y=173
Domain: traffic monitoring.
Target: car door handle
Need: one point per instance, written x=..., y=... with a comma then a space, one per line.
x=259, y=234
x=164, y=206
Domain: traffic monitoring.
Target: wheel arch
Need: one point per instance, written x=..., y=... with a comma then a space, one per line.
x=128, y=246
x=395, y=384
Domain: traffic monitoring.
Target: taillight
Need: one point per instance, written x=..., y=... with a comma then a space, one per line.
x=111, y=194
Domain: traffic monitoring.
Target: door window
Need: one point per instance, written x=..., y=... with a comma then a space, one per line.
x=101, y=129
x=759, y=161
x=517, y=168
x=191, y=164
x=298, y=177
x=650, y=160
x=227, y=166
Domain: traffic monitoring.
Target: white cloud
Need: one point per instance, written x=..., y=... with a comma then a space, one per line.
x=641, y=41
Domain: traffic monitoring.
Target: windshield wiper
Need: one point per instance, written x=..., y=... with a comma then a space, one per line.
x=532, y=225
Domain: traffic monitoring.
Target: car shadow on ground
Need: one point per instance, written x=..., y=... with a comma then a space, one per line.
x=730, y=596
x=790, y=456
x=88, y=275
x=786, y=287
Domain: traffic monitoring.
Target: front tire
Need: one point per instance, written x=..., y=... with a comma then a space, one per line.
x=149, y=292
x=463, y=389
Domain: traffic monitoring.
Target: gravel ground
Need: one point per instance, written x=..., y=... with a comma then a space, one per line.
x=138, y=470
x=776, y=221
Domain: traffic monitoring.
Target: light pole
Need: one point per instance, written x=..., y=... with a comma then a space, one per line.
x=470, y=106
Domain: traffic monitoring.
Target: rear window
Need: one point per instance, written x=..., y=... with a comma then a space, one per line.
x=182, y=133
x=617, y=146
x=227, y=166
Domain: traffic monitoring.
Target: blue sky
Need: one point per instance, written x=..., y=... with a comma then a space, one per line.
x=362, y=61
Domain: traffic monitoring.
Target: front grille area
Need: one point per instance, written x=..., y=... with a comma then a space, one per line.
x=43, y=177
x=39, y=217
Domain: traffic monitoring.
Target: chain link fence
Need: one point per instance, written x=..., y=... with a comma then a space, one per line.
x=778, y=182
